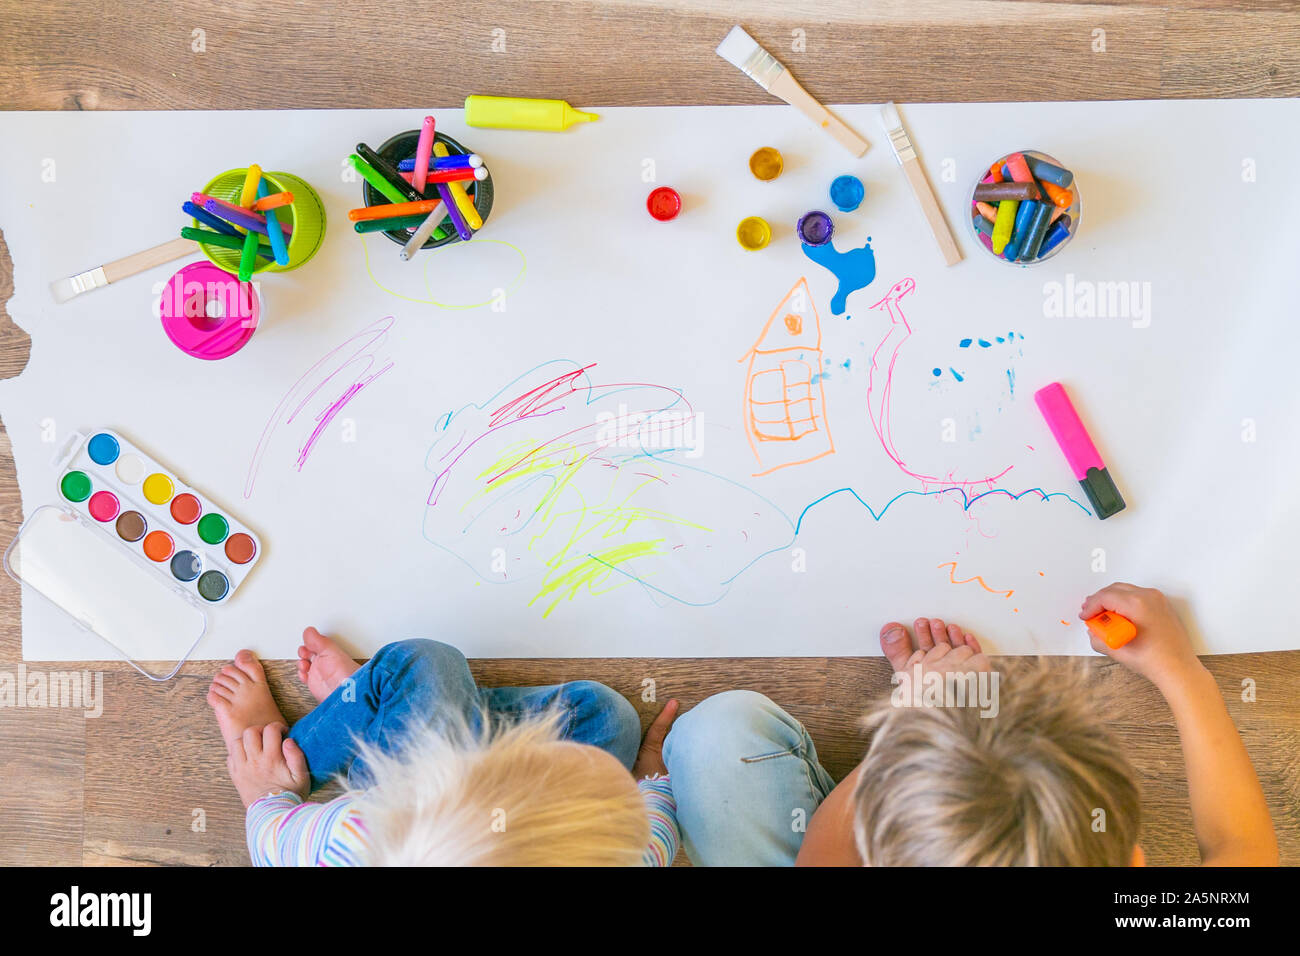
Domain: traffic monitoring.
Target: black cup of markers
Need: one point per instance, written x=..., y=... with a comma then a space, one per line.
x=403, y=146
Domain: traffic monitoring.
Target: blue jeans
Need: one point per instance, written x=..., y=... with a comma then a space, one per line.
x=421, y=682
x=746, y=779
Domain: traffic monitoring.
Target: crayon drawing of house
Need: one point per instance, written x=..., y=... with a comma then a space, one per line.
x=785, y=406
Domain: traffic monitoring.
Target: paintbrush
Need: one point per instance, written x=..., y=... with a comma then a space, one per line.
x=905, y=153
x=73, y=286
x=743, y=52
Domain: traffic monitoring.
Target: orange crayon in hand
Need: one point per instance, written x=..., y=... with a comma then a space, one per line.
x=1115, y=629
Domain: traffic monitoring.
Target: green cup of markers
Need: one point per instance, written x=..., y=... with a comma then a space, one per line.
x=305, y=215
x=403, y=146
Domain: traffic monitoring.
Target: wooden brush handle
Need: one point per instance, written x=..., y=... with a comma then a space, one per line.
x=138, y=262
x=788, y=88
x=933, y=214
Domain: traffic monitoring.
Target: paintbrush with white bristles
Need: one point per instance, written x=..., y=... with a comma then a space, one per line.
x=743, y=52
x=109, y=272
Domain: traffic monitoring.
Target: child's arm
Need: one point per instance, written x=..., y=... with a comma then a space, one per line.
x=1229, y=812
x=651, y=777
x=284, y=831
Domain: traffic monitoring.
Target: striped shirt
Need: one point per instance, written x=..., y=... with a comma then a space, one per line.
x=283, y=830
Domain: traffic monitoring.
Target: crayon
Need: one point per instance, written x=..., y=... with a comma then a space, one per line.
x=462, y=228
x=380, y=184
x=1080, y=453
x=223, y=239
x=1018, y=232
x=273, y=229
x=1115, y=629
x=459, y=161
x=423, y=149
x=248, y=258
x=1047, y=172
x=1033, y=238
x=205, y=217
x=987, y=211
x=1062, y=197
x=386, y=170
x=1018, y=168
x=272, y=201
x=996, y=192
x=983, y=226
x=458, y=174
x=1057, y=234
x=1003, y=224
x=463, y=202
x=391, y=210
x=995, y=173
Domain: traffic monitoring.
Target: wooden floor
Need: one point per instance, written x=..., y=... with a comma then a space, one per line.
x=145, y=783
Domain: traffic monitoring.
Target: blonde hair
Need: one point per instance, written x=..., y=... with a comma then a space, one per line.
x=1042, y=783
x=509, y=795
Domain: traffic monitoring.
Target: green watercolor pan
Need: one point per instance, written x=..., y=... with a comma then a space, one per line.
x=131, y=552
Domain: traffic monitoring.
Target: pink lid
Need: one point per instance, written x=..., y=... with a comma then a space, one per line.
x=207, y=312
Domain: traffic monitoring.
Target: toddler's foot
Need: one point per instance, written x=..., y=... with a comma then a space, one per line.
x=322, y=664
x=937, y=646
x=241, y=698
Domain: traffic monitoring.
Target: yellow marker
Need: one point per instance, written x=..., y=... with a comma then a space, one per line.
x=158, y=489
x=513, y=112
x=461, y=198
x=248, y=195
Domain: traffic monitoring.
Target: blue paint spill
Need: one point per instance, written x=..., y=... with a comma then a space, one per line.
x=965, y=343
x=938, y=372
x=854, y=269
x=984, y=343
x=846, y=364
x=955, y=374
x=1001, y=339
x=1011, y=381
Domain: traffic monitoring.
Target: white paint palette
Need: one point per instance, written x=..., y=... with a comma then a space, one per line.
x=177, y=531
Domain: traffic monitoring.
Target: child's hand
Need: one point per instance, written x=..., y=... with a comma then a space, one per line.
x=264, y=760
x=650, y=758
x=1162, y=650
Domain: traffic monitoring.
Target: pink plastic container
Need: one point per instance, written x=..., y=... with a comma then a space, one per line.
x=208, y=313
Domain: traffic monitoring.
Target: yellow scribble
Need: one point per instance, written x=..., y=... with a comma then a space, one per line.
x=428, y=260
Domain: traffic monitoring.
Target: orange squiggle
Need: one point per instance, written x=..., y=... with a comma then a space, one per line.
x=952, y=576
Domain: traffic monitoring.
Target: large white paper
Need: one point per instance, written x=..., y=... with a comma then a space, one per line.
x=562, y=525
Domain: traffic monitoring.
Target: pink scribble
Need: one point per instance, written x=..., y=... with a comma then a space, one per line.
x=878, y=401
x=360, y=359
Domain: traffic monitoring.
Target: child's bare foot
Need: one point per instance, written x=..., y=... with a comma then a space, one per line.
x=241, y=698
x=322, y=664
x=938, y=646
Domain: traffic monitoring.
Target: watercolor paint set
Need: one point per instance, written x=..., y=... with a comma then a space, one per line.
x=132, y=552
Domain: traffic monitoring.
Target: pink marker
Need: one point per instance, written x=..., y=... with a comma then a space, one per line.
x=1080, y=453
x=422, y=151
x=202, y=199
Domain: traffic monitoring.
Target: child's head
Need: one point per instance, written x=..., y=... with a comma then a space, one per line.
x=513, y=795
x=1042, y=783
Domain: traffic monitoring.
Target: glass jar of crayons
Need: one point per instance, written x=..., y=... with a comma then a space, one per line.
x=1025, y=207
x=457, y=190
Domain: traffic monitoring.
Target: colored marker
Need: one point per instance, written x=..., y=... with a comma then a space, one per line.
x=1080, y=453
x=391, y=210
x=462, y=227
x=380, y=184
x=456, y=174
x=442, y=161
x=248, y=194
x=272, y=201
x=384, y=168
x=463, y=202
x=422, y=150
x=273, y=229
x=1115, y=629
x=513, y=112
x=240, y=218
x=205, y=217
x=386, y=225
x=207, y=202
x=222, y=239
x=248, y=257
x=421, y=235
